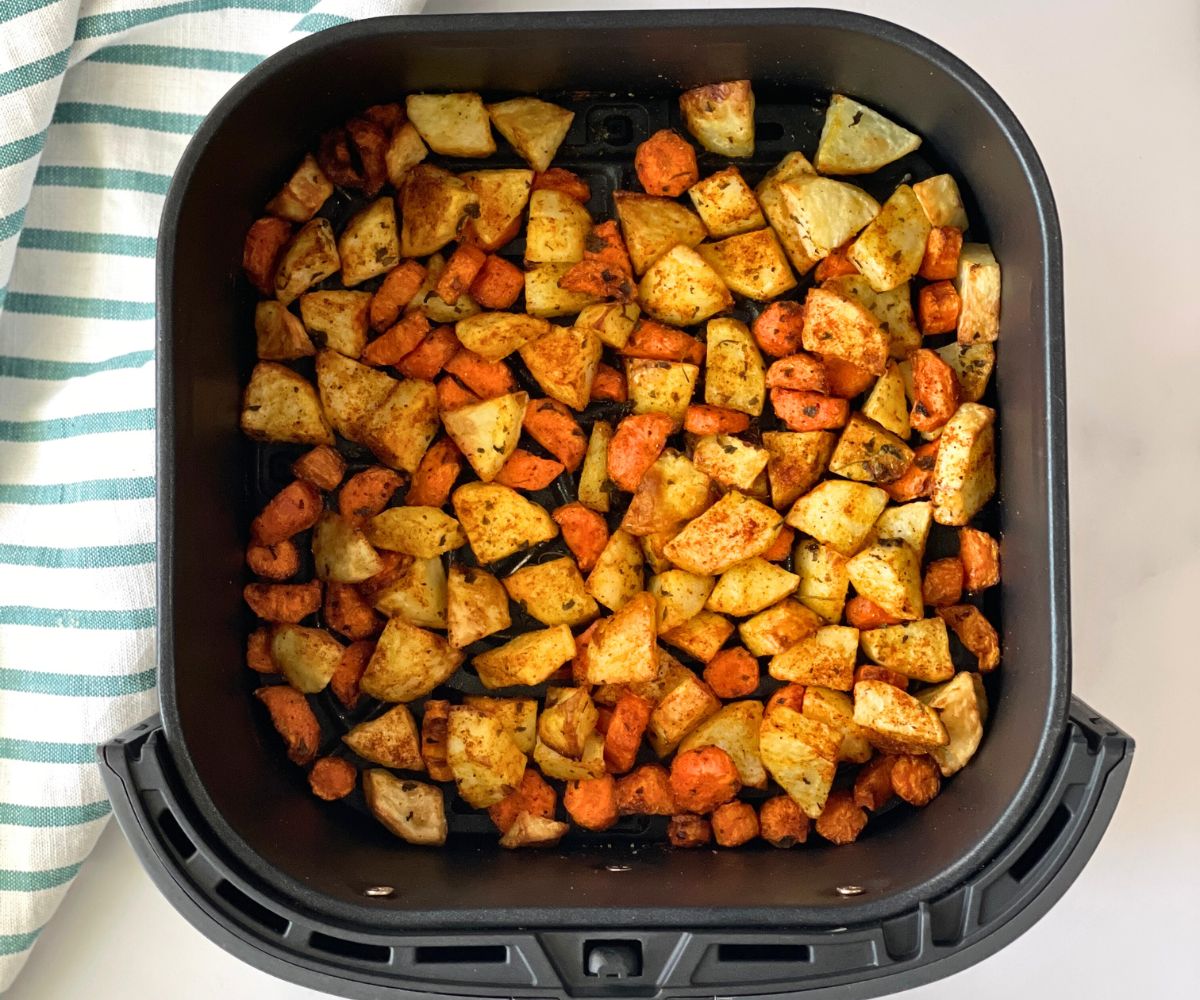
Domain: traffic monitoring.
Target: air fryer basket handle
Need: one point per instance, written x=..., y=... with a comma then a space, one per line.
x=932, y=940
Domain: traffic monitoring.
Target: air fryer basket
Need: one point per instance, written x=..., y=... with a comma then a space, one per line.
x=229, y=827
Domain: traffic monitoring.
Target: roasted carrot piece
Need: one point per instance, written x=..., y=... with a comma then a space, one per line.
x=837, y=264
x=938, y=306
x=371, y=142
x=584, y=531
x=943, y=582
x=645, y=792
x=659, y=342
x=389, y=116
x=790, y=695
x=396, y=291
x=258, y=651
x=487, y=379
x=293, y=719
x=498, y=284
x=591, y=277
x=532, y=796
x=842, y=819
x=526, y=471
x=427, y=359
x=916, y=778
x=609, y=384
x=874, y=672
x=561, y=179
x=366, y=493
x=323, y=467
x=942, y=249
x=687, y=830
x=293, y=509
x=734, y=824
x=980, y=555
x=592, y=803
x=916, y=480
x=349, y=671
x=781, y=823
x=809, y=411
x=846, y=380
x=264, y=240
x=862, y=613
x=605, y=245
x=451, y=395
x=348, y=613
x=703, y=778
x=273, y=562
x=283, y=602
x=461, y=270
x=435, y=476
x=798, y=371
x=435, y=735
x=630, y=716
x=399, y=341
x=335, y=160
x=332, y=778
x=781, y=548
x=553, y=426
x=975, y=632
x=666, y=164
x=936, y=391
x=777, y=328
x=604, y=714
x=732, y=673
x=702, y=418
x=636, y=445
x=873, y=783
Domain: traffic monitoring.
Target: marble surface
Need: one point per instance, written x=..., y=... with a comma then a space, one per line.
x=1109, y=93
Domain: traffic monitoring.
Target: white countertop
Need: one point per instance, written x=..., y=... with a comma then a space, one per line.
x=1110, y=93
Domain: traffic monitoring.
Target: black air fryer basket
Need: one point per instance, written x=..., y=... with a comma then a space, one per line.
x=323, y=895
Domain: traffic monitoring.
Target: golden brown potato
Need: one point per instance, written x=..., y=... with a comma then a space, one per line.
x=390, y=739
x=721, y=117
x=279, y=334
x=351, y=393
x=686, y=703
x=413, y=810
x=369, y=244
x=310, y=256
x=476, y=606
x=749, y=586
x=837, y=325
x=733, y=529
x=617, y=576
x=856, y=139
x=840, y=514
x=734, y=728
x=552, y=592
x=534, y=128
x=567, y=721
x=778, y=627
x=452, y=124
x=825, y=658
x=964, y=474
x=726, y=204
x=682, y=288
x=518, y=716
x=800, y=753
x=888, y=573
x=622, y=648
x=424, y=532
x=503, y=195
x=527, y=660
x=304, y=193
x=889, y=251
x=564, y=363
x=557, y=230
x=337, y=320
x=499, y=521
x=961, y=704
x=797, y=459
x=341, y=552
x=918, y=649
x=751, y=264
x=652, y=226
x=434, y=204
x=408, y=663
x=307, y=657
x=894, y=721
x=868, y=453
x=280, y=405
x=734, y=373
x=485, y=759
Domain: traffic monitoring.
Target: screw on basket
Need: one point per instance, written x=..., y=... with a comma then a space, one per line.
x=379, y=891
x=849, y=890
x=614, y=866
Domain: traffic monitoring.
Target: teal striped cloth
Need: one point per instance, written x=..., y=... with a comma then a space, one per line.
x=97, y=100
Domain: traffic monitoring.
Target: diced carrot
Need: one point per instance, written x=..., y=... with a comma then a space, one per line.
x=630, y=717
x=560, y=179
x=862, y=613
x=686, y=830
x=702, y=418
x=293, y=719
x=332, y=778
x=645, y=792
x=460, y=272
x=938, y=306
x=809, y=411
x=943, y=582
x=532, y=796
x=591, y=277
x=273, y=562
x=604, y=714
x=525, y=471
x=703, y=778
x=283, y=602
x=605, y=245
x=734, y=824
x=873, y=783
x=435, y=476
x=451, y=395
x=790, y=696
x=873, y=672
x=258, y=651
x=659, y=342
x=592, y=803
x=389, y=116
x=400, y=340
x=371, y=142
x=980, y=555
x=846, y=380
x=435, y=737
x=348, y=613
x=498, y=285
x=975, y=632
x=553, y=426
x=293, y=509
x=366, y=493
x=781, y=548
x=609, y=384
x=798, y=371
x=636, y=445
x=336, y=161
x=584, y=531
x=732, y=673
x=777, y=328
x=942, y=249
x=916, y=480
x=916, y=778
x=470, y=235
x=666, y=164
x=429, y=357
x=396, y=291
x=936, y=391
x=842, y=819
x=264, y=240
x=323, y=467
x=781, y=823
x=487, y=379
x=837, y=264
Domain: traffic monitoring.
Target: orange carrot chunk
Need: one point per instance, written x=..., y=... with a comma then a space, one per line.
x=396, y=291
x=400, y=340
x=435, y=476
x=666, y=164
x=702, y=418
x=561, y=179
x=554, y=427
x=498, y=284
x=809, y=411
x=798, y=371
x=636, y=445
x=659, y=342
x=526, y=471
x=778, y=327
x=584, y=531
x=428, y=358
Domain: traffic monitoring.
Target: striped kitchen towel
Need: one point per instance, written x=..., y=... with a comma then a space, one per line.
x=97, y=100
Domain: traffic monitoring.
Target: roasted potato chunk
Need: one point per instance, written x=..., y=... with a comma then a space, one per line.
x=307, y=657
x=527, y=660
x=279, y=334
x=558, y=228
x=751, y=264
x=749, y=586
x=867, y=452
x=888, y=573
x=413, y=810
x=487, y=432
x=964, y=474
x=918, y=649
x=682, y=288
x=534, y=128
x=701, y=636
x=731, y=461
x=564, y=362
x=304, y=193
x=351, y=393
x=503, y=195
x=424, y=532
x=680, y=595
x=499, y=521
x=433, y=206
x=978, y=285
x=840, y=514
x=280, y=405
x=826, y=213
x=735, y=528
x=726, y=204
x=545, y=296
x=825, y=658
x=390, y=740
x=517, y=715
x=337, y=320
x=567, y=721
x=734, y=729
x=452, y=124
x=721, y=117
x=622, y=649
x=310, y=256
x=486, y=761
x=686, y=703
x=369, y=245
x=856, y=139
x=889, y=251
x=341, y=552
x=735, y=376
x=553, y=593
x=408, y=663
x=961, y=704
x=800, y=753
x=894, y=721
x=652, y=226
x=840, y=326
x=940, y=199
x=796, y=461
x=836, y=709
x=778, y=627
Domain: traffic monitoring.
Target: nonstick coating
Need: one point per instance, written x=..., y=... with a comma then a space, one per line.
x=622, y=71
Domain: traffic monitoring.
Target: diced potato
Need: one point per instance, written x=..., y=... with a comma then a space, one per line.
x=402, y=427
x=390, y=739
x=543, y=296
x=840, y=514
x=435, y=308
x=661, y=386
x=557, y=230
x=779, y=627
x=567, y=721
x=827, y=213
x=307, y=657
x=894, y=721
x=672, y=491
x=529, y=830
x=417, y=531
x=940, y=199
x=731, y=461
x=309, y=257
x=617, y=575
x=973, y=364
x=369, y=245
x=280, y=405
x=337, y=320
x=887, y=404
x=797, y=460
x=836, y=709
x=735, y=730
x=801, y=755
x=486, y=761
x=893, y=311
x=477, y=605
x=594, y=491
x=412, y=810
x=622, y=649
x=680, y=595
x=964, y=474
x=408, y=663
x=843, y=327
x=733, y=529
x=487, y=432
x=495, y=335
x=868, y=453
x=721, y=117
x=652, y=550
x=304, y=193
x=770, y=197
x=824, y=579
x=416, y=593
x=701, y=636
x=684, y=706
x=889, y=251
x=751, y=264
x=652, y=226
x=526, y=660
x=734, y=373
x=279, y=335
x=503, y=195
x=341, y=552
x=564, y=363
x=518, y=716
x=590, y=764
x=499, y=521
x=552, y=592
x=534, y=128
x=961, y=704
x=726, y=204
x=909, y=522
x=918, y=649
x=433, y=206
x=405, y=150
x=856, y=139
x=452, y=124
x=825, y=658
x=889, y=574
x=682, y=289
x=978, y=285
x=748, y=587
x=611, y=322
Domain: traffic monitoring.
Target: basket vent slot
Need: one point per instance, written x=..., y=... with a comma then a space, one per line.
x=1042, y=844
x=179, y=841
x=460, y=954
x=251, y=909
x=763, y=953
x=350, y=949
